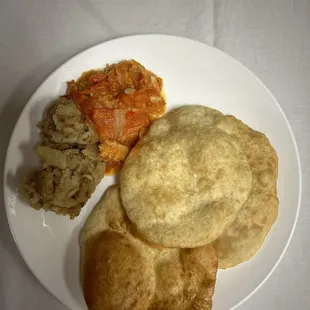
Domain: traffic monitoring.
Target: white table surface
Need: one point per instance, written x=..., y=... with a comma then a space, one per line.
x=271, y=37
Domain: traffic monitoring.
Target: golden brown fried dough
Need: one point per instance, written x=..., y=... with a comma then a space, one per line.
x=245, y=236
x=187, y=180
x=116, y=275
x=185, y=281
x=120, y=271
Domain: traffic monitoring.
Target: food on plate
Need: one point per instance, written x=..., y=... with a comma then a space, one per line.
x=71, y=165
x=197, y=192
x=197, y=189
x=66, y=182
x=106, y=111
x=199, y=176
x=242, y=239
x=121, y=101
x=188, y=178
x=121, y=271
x=64, y=126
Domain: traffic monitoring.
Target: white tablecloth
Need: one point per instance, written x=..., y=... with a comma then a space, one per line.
x=271, y=37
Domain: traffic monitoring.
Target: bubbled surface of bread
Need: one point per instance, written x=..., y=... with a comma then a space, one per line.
x=116, y=275
x=187, y=179
x=121, y=271
x=241, y=240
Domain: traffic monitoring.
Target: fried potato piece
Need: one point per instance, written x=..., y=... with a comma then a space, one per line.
x=113, y=151
x=187, y=180
x=121, y=271
x=245, y=236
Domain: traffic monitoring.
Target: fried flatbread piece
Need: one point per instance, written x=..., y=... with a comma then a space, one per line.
x=120, y=271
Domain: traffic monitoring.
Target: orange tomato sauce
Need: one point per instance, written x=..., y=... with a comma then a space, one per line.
x=121, y=101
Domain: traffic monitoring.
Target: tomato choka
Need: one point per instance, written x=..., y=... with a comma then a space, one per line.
x=121, y=101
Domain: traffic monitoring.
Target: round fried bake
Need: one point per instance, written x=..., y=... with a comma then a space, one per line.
x=186, y=181
x=120, y=271
x=245, y=236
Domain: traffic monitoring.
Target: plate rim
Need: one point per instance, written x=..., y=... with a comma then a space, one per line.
x=158, y=35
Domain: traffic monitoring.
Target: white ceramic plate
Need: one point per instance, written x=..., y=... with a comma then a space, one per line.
x=193, y=73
